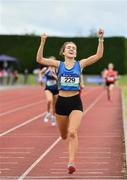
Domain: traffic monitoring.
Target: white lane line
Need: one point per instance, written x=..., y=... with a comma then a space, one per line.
x=87, y=157
x=8, y=163
x=98, y=173
x=86, y=170
x=4, y=169
x=19, y=108
x=7, y=157
x=21, y=125
x=5, y=152
x=54, y=144
x=63, y=177
x=99, y=136
x=84, y=163
x=81, y=169
x=90, y=152
x=16, y=148
x=39, y=159
x=96, y=148
x=27, y=136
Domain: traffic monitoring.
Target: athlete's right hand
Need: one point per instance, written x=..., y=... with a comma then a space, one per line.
x=43, y=38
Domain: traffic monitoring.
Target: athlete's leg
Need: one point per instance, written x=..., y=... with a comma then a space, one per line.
x=63, y=123
x=111, y=86
x=49, y=97
x=53, y=118
x=108, y=92
x=54, y=102
x=74, y=123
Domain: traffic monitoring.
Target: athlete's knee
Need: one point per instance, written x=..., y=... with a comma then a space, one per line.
x=50, y=101
x=72, y=133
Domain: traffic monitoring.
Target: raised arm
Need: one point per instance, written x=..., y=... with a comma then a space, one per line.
x=99, y=54
x=41, y=59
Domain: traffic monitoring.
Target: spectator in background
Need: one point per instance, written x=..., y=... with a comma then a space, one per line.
x=9, y=71
x=14, y=77
x=1, y=76
x=36, y=74
x=26, y=75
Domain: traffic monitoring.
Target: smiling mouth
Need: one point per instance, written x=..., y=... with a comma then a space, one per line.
x=71, y=52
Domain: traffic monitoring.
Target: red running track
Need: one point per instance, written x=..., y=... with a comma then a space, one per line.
x=31, y=149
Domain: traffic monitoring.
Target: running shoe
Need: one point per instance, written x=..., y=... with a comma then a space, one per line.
x=53, y=120
x=46, y=117
x=71, y=168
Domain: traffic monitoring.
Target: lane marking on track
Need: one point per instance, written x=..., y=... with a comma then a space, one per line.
x=98, y=173
x=21, y=125
x=20, y=108
x=92, y=152
x=84, y=163
x=81, y=169
x=18, y=126
x=31, y=136
x=4, y=169
x=24, y=152
x=8, y=157
x=33, y=104
x=87, y=157
x=39, y=159
x=94, y=136
x=17, y=148
x=8, y=163
x=56, y=142
x=60, y=177
x=76, y=177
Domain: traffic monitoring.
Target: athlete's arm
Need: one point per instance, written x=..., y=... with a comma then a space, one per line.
x=41, y=59
x=92, y=59
x=42, y=71
x=105, y=74
x=40, y=75
x=82, y=82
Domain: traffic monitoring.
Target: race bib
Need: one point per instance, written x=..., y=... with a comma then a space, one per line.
x=51, y=82
x=70, y=81
x=110, y=78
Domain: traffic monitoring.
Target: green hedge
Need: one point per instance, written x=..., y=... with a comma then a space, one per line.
x=125, y=56
x=24, y=48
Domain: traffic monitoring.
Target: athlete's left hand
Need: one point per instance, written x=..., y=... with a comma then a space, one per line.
x=100, y=33
x=43, y=38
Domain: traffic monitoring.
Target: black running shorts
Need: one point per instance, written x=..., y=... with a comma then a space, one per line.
x=65, y=105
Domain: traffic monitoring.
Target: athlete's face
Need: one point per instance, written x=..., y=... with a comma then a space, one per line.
x=70, y=50
x=110, y=66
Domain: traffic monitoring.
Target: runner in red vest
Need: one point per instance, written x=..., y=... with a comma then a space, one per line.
x=110, y=77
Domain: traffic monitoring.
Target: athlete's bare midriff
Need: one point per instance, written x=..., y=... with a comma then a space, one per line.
x=68, y=93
